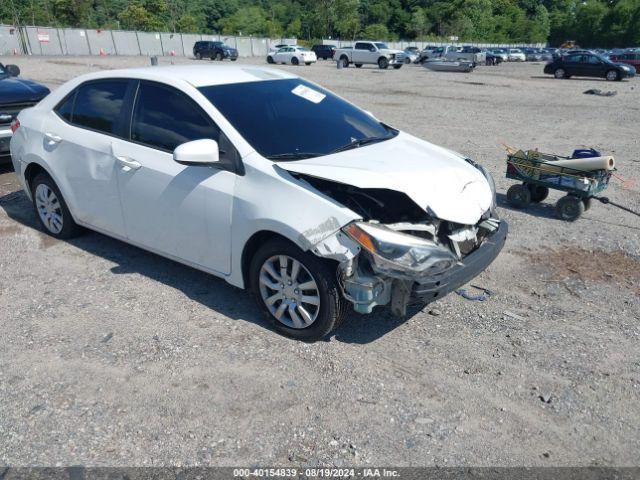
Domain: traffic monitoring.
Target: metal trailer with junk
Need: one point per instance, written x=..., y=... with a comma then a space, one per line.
x=582, y=176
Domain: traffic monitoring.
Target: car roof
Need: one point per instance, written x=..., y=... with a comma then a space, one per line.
x=196, y=75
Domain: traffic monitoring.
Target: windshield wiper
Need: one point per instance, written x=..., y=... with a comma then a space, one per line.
x=360, y=143
x=293, y=156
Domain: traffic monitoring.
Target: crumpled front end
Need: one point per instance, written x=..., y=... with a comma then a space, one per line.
x=399, y=253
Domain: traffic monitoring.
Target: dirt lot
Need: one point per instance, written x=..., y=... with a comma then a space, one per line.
x=113, y=356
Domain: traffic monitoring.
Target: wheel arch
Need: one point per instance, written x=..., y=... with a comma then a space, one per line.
x=251, y=247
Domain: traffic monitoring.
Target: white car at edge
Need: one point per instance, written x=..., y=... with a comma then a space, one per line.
x=221, y=168
x=292, y=55
x=516, y=55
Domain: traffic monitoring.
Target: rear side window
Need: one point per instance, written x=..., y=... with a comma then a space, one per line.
x=164, y=118
x=98, y=105
x=65, y=108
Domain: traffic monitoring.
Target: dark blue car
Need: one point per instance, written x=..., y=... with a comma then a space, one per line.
x=16, y=94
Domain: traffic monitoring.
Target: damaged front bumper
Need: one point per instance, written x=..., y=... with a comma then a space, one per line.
x=429, y=289
x=367, y=283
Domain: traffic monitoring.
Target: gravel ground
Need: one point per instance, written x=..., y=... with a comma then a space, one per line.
x=114, y=356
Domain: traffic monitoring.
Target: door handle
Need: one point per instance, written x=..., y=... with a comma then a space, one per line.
x=52, y=137
x=128, y=164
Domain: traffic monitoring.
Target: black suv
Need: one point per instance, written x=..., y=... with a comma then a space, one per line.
x=16, y=94
x=324, y=51
x=588, y=65
x=214, y=50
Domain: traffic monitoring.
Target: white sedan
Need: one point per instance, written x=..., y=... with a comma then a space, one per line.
x=516, y=55
x=221, y=168
x=293, y=55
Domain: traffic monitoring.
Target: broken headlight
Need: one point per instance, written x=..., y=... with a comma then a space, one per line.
x=393, y=251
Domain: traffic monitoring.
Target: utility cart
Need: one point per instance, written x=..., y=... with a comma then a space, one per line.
x=540, y=172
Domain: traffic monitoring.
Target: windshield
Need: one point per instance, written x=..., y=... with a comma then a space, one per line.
x=382, y=46
x=291, y=119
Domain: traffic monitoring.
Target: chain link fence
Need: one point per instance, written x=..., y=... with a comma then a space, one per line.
x=30, y=40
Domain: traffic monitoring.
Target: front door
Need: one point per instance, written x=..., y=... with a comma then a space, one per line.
x=180, y=211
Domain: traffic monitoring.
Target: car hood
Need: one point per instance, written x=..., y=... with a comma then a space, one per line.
x=18, y=90
x=435, y=178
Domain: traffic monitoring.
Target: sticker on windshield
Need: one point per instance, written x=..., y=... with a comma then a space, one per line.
x=308, y=94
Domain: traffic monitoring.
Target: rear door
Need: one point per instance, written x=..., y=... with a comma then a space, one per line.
x=573, y=65
x=78, y=137
x=177, y=210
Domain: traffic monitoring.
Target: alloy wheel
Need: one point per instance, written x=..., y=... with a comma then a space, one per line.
x=289, y=291
x=49, y=208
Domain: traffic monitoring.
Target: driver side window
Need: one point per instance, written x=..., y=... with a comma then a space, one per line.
x=164, y=118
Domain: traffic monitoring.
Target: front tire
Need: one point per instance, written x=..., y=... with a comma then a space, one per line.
x=569, y=208
x=358, y=65
x=295, y=61
x=397, y=67
x=383, y=63
x=219, y=57
x=519, y=196
x=270, y=60
x=613, y=75
x=51, y=210
x=297, y=291
x=559, y=73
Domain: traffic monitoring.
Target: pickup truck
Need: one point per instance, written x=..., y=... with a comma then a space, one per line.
x=451, y=53
x=370, y=53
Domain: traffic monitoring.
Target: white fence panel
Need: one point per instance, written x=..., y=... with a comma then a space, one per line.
x=243, y=44
x=188, y=41
x=101, y=42
x=172, y=44
x=9, y=40
x=44, y=41
x=150, y=43
x=75, y=41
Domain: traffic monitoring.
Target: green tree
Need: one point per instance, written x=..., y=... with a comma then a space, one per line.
x=375, y=31
x=247, y=21
x=137, y=17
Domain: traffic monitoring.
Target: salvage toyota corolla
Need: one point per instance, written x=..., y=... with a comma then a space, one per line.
x=222, y=168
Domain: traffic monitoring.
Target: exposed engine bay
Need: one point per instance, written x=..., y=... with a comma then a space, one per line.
x=399, y=244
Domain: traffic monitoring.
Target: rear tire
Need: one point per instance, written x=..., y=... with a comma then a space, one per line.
x=559, y=73
x=397, y=67
x=345, y=62
x=538, y=193
x=51, y=210
x=219, y=57
x=358, y=65
x=325, y=317
x=407, y=60
x=519, y=196
x=198, y=56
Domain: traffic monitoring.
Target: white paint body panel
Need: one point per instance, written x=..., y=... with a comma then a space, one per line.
x=204, y=216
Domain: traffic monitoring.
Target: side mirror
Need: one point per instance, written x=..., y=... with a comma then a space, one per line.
x=12, y=70
x=197, y=152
